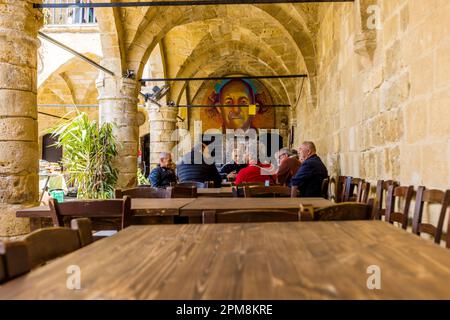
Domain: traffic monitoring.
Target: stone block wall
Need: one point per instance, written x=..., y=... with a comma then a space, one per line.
x=383, y=112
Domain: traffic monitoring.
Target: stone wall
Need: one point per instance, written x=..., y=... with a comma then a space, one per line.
x=383, y=107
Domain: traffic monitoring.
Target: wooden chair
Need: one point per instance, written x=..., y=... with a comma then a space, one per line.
x=363, y=192
x=267, y=192
x=339, y=186
x=141, y=192
x=198, y=185
x=430, y=197
x=106, y=214
x=19, y=257
x=338, y=212
x=351, y=189
x=243, y=216
x=182, y=192
x=394, y=194
x=325, y=187
x=294, y=192
x=238, y=191
x=381, y=194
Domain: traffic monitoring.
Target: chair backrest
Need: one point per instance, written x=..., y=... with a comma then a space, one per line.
x=182, y=192
x=239, y=192
x=242, y=216
x=294, y=192
x=339, y=187
x=20, y=256
x=351, y=184
x=394, y=194
x=438, y=197
x=339, y=212
x=381, y=195
x=100, y=209
x=266, y=192
x=363, y=192
x=199, y=185
x=325, y=187
x=141, y=192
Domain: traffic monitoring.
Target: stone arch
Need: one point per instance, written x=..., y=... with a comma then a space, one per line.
x=279, y=97
x=150, y=33
x=111, y=32
x=210, y=50
x=250, y=65
x=72, y=78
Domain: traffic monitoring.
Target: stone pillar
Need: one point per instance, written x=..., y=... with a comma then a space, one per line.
x=163, y=122
x=19, y=154
x=118, y=105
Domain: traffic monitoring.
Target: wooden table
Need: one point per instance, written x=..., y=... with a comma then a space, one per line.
x=155, y=210
x=139, y=206
x=196, y=208
x=293, y=260
x=224, y=192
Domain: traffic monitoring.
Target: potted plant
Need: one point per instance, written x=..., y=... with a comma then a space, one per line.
x=88, y=153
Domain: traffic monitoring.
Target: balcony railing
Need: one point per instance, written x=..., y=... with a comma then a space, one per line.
x=69, y=16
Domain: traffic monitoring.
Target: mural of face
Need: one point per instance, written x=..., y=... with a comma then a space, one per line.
x=236, y=93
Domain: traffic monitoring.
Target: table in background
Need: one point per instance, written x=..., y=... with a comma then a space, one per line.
x=162, y=208
x=194, y=210
x=224, y=192
x=290, y=260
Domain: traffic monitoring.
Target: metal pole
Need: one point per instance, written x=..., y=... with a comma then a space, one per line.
x=75, y=53
x=172, y=3
x=232, y=105
x=226, y=78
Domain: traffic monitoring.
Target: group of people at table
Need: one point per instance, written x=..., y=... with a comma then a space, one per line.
x=303, y=169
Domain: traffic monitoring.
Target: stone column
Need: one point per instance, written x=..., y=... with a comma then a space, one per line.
x=163, y=122
x=118, y=105
x=19, y=154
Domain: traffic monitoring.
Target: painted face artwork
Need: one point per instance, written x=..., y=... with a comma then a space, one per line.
x=235, y=94
x=238, y=95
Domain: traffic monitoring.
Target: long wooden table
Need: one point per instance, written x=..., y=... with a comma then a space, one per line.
x=154, y=210
x=224, y=192
x=294, y=260
x=154, y=206
x=195, y=208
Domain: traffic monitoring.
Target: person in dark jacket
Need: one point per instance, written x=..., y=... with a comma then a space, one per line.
x=163, y=175
x=312, y=172
x=194, y=166
x=232, y=168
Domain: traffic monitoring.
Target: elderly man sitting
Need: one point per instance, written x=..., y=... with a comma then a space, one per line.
x=312, y=172
x=163, y=175
x=288, y=166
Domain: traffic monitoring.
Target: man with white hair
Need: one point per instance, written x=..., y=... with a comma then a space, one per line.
x=163, y=175
x=288, y=166
x=312, y=172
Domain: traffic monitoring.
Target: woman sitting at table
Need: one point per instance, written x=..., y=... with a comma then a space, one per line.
x=256, y=172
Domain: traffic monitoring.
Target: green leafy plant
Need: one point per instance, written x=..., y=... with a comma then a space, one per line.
x=88, y=153
x=142, y=180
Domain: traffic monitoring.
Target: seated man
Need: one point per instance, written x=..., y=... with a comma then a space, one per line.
x=193, y=167
x=312, y=172
x=288, y=166
x=232, y=168
x=163, y=175
x=256, y=172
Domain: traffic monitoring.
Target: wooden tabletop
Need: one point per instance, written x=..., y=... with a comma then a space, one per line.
x=293, y=260
x=196, y=207
x=224, y=192
x=154, y=206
